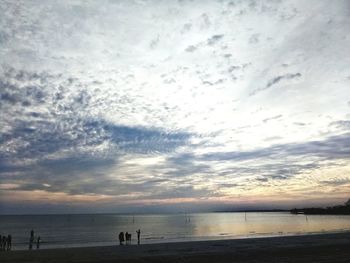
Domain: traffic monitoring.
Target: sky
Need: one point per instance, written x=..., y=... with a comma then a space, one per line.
x=173, y=106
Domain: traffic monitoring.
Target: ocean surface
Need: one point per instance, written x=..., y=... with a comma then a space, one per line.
x=58, y=231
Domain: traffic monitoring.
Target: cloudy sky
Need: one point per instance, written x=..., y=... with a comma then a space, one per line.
x=123, y=106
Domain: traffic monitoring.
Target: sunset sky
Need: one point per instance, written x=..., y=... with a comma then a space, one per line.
x=139, y=106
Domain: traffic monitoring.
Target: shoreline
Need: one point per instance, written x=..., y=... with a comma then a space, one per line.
x=180, y=240
x=326, y=247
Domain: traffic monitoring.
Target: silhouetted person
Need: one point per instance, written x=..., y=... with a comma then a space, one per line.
x=31, y=239
x=138, y=232
x=9, y=242
x=3, y=241
x=38, y=242
x=0, y=242
x=121, y=238
x=126, y=238
x=129, y=238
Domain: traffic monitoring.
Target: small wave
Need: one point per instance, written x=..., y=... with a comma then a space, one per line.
x=153, y=238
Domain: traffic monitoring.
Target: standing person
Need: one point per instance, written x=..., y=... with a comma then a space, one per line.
x=31, y=239
x=4, y=241
x=120, y=241
x=126, y=238
x=9, y=242
x=138, y=232
x=121, y=238
x=129, y=239
x=38, y=243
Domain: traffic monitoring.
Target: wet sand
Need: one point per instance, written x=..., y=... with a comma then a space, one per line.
x=310, y=248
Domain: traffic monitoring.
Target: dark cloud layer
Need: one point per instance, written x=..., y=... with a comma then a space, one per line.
x=334, y=147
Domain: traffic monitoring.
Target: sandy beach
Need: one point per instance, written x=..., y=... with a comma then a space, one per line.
x=310, y=248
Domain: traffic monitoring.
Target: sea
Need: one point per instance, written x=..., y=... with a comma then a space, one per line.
x=84, y=230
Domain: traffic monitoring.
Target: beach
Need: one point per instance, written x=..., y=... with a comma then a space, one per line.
x=306, y=248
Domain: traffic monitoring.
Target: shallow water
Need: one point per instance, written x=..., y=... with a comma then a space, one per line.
x=98, y=230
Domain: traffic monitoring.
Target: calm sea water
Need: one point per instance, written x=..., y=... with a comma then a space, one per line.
x=99, y=230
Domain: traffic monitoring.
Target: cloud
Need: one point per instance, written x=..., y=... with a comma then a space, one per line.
x=334, y=147
x=57, y=146
x=184, y=165
x=191, y=48
x=72, y=134
x=210, y=42
x=186, y=27
x=284, y=77
x=210, y=83
x=336, y=182
x=87, y=172
x=160, y=106
x=299, y=123
x=342, y=124
x=272, y=118
x=275, y=81
x=214, y=39
x=279, y=162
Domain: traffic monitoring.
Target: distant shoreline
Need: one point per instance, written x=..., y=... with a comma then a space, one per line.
x=319, y=248
x=253, y=211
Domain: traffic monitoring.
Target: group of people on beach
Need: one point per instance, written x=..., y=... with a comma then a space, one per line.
x=127, y=237
x=5, y=242
x=32, y=240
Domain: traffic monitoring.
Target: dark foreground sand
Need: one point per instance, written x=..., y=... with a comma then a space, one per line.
x=312, y=248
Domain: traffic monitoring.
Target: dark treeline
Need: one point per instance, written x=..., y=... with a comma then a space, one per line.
x=251, y=211
x=334, y=210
